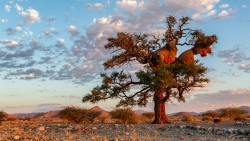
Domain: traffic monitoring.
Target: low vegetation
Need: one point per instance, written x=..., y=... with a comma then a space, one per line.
x=231, y=113
x=2, y=115
x=78, y=115
x=126, y=115
x=188, y=118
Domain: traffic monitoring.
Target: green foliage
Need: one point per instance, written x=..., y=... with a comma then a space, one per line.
x=188, y=118
x=231, y=112
x=126, y=115
x=212, y=114
x=73, y=114
x=2, y=115
x=148, y=115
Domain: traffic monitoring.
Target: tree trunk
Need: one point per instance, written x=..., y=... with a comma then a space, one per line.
x=159, y=109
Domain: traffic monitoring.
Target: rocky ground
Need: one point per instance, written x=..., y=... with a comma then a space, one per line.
x=64, y=131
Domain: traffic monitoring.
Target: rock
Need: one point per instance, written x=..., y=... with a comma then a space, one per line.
x=16, y=138
x=41, y=128
x=241, y=131
x=94, y=128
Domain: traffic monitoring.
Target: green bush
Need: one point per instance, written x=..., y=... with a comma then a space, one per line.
x=73, y=114
x=187, y=118
x=231, y=112
x=126, y=115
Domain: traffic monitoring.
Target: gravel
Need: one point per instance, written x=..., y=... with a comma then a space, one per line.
x=62, y=131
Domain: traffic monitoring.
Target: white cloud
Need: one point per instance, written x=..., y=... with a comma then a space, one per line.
x=60, y=42
x=18, y=28
x=88, y=6
x=18, y=7
x=129, y=6
x=13, y=44
x=202, y=8
x=244, y=6
x=96, y=6
x=7, y=8
x=30, y=16
x=225, y=13
x=72, y=30
x=4, y=20
x=225, y=5
x=9, y=44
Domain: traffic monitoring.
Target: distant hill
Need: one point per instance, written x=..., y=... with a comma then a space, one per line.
x=8, y=115
x=50, y=114
x=247, y=108
x=184, y=113
x=103, y=112
x=139, y=111
x=25, y=115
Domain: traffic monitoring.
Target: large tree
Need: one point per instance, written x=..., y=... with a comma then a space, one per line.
x=164, y=77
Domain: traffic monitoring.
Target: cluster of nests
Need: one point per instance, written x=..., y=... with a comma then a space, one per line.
x=168, y=53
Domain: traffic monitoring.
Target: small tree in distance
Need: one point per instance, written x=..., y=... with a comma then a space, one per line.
x=2, y=115
x=92, y=115
x=231, y=112
x=212, y=114
x=148, y=115
x=124, y=114
x=73, y=114
x=164, y=76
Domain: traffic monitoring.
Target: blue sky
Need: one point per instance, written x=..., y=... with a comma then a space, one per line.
x=51, y=52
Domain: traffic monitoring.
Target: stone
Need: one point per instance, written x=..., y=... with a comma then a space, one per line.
x=241, y=131
x=16, y=138
x=94, y=128
x=41, y=128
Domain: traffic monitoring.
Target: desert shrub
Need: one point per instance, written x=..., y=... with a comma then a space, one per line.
x=240, y=118
x=211, y=114
x=2, y=115
x=187, y=118
x=149, y=115
x=73, y=114
x=207, y=118
x=12, y=119
x=103, y=119
x=231, y=112
x=124, y=114
x=91, y=115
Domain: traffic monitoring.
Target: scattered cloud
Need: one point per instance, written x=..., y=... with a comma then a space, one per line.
x=96, y=6
x=60, y=42
x=18, y=7
x=130, y=6
x=51, y=19
x=49, y=32
x=4, y=20
x=225, y=14
x=244, y=6
x=72, y=30
x=225, y=5
x=245, y=67
x=7, y=8
x=9, y=44
x=30, y=16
